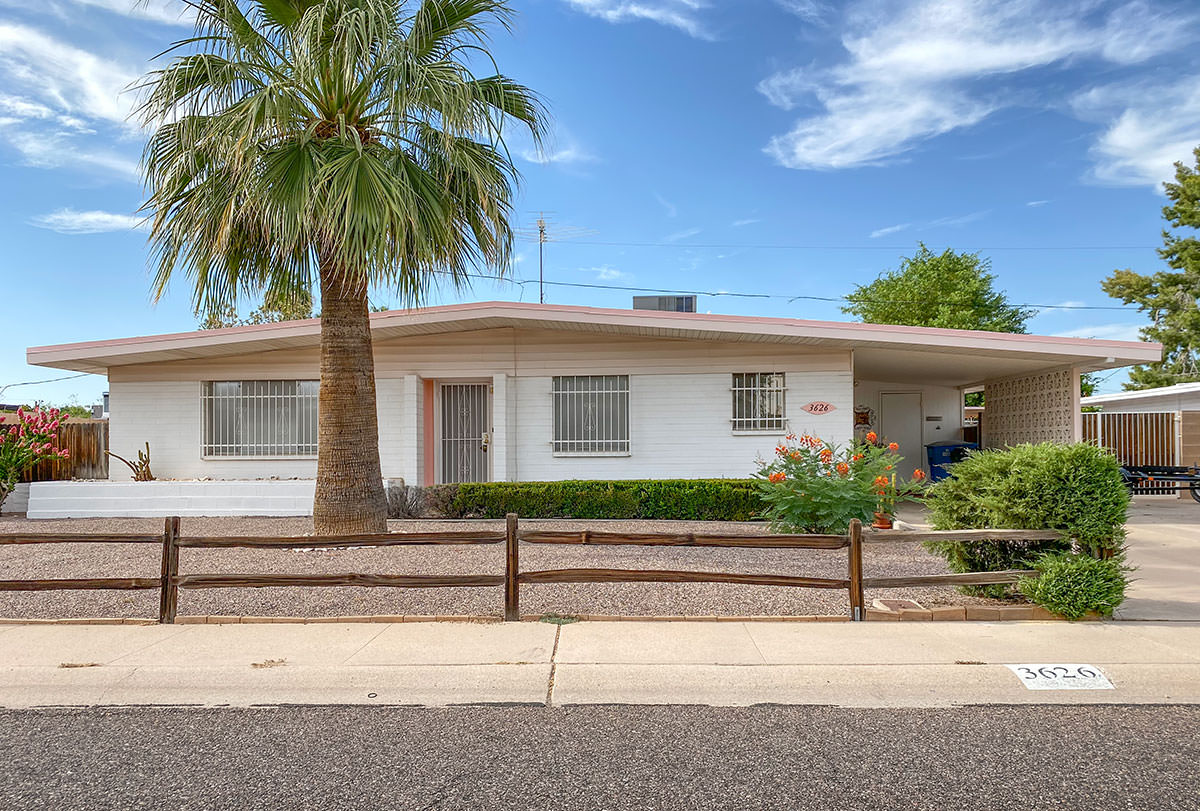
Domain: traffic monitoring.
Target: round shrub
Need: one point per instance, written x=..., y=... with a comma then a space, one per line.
x=1073, y=585
x=1076, y=489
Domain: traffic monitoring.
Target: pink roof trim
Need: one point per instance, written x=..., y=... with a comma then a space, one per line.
x=312, y=325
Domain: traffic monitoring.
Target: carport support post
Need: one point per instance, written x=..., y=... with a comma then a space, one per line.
x=858, y=611
x=512, y=585
x=168, y=591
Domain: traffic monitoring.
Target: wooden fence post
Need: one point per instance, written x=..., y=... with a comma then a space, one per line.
x=858, y=611
x=512, y=586
x=168, y=595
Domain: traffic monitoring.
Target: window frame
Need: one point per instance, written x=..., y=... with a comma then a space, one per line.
x=207, y=397
x=623, y=396
x=739, y=425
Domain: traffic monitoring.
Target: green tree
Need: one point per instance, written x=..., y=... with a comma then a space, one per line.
x=1169, y=296
x=336, y=145
x=950, y=290
x=299, y=308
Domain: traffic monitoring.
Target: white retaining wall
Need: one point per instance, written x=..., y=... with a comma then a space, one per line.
x=101, y=499
x=17, y=500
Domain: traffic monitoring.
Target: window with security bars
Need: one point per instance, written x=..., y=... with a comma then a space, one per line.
x=591, y=414
x=260, y=418
x=758, y=401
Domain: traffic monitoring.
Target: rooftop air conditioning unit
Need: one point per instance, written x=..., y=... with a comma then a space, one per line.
x=669, y=304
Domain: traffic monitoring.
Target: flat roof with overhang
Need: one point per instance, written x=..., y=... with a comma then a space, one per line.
x=881, y=352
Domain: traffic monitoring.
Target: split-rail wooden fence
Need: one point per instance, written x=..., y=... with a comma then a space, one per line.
x=854, y=583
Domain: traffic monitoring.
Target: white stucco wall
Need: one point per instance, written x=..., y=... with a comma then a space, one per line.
x=936, y=401
x=679, y=427
x=167, y=414
x=680, y=405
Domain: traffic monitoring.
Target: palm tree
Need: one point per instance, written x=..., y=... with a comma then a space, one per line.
x=342, y=144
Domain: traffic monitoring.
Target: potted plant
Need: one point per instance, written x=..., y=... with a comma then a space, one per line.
x=890, y=490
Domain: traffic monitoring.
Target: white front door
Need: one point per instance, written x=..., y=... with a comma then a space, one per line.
x=901, y=421
x=465, y=414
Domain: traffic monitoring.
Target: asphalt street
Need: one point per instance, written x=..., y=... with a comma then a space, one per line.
x=602, y=757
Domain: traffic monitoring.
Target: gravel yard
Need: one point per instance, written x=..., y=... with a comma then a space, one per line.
x=640, y=599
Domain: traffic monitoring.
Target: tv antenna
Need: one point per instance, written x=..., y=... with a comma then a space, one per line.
x=546, y=230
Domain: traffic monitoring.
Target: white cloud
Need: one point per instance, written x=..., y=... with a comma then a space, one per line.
x=70, y=221
x=744, y=223
x=916, y=70
x=1150, y=126
x=62, y=77
x=891, y=229
x=53, y=150
x=812, y=11
x=669, y=208
x=1037, y=203
x=56, y=96
x=607, y=273
x=170, y=12
x=961, y=219
x=1111, y=332
x=565, y=151
x=678, y=235
x=681, y=14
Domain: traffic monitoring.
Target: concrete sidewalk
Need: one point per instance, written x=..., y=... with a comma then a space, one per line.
x=1164, y=546
x=714, y=663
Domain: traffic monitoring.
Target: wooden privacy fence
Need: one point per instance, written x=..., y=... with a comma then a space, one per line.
x=171, y=581
x=87, y=441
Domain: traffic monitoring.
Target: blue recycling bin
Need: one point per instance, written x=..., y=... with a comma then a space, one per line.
x=946, y=453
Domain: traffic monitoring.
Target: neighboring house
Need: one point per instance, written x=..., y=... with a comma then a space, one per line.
x=1148, y=426
x=499, y=390
x=1180, y=397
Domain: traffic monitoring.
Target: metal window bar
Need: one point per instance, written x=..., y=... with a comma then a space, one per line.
x=247, y=418
x=759, y=401
x=591, y=414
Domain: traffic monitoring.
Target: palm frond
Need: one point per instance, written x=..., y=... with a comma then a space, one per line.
x=345, y=136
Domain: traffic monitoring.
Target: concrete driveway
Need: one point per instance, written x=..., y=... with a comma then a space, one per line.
x=1164, y=545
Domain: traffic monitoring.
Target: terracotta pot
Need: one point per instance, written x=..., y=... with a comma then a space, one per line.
x=882, y=521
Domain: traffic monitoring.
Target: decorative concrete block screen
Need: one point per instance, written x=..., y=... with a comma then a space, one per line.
x=1032, y=408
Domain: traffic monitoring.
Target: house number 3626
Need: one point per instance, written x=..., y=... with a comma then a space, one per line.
x=819, y=407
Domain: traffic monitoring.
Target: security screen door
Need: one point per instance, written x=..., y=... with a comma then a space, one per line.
x=466, y=432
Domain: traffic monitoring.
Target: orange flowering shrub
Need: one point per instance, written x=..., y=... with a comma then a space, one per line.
x=811, y=485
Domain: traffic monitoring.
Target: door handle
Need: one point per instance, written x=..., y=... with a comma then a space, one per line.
x=485, y=441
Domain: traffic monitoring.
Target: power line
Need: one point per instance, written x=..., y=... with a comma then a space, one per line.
x=39, y=382
x=782, y=296
x=793, y=247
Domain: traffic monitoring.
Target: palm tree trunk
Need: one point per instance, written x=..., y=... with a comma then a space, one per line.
x=349, y=497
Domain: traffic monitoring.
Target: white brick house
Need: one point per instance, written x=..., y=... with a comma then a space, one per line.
x=507, y=391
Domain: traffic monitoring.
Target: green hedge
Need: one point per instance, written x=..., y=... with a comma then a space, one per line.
x=678, y=499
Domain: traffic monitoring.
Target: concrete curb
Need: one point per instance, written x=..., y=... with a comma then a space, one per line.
x=939, y=614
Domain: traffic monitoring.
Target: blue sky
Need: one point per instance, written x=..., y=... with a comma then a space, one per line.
x=779, y=147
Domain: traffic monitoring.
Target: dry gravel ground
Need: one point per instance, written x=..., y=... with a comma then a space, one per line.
x=635, y=599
